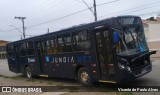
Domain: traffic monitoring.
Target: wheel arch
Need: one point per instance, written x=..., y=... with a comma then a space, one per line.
x=77, y=69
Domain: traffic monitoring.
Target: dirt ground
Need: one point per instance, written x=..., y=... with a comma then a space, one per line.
x=21, y=81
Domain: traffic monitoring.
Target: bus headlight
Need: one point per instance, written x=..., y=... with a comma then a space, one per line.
x=128, y=68
x=121, y=66
x=124, y=67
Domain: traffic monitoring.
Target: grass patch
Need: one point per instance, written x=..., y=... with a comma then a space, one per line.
x=31, y=80
x=40, y=81
x=50, y=83
x=15, y=77
x=72, y=89
x=4, y=76
x=60, y=84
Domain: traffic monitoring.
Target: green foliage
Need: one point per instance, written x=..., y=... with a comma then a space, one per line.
x=151, y=18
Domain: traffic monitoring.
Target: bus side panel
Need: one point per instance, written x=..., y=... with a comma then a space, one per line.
x=89, y=62
x=12, y=59
x=68, y=66
x=13, y=65
x=22, y=63
x=59, y=66
x=64, y=65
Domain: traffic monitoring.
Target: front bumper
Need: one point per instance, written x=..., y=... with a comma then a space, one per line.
x=124, y=75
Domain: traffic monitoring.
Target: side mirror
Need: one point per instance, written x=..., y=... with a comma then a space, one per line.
x=115, y=37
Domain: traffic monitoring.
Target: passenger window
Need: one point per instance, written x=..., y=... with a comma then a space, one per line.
x=60, y=45
x=48, y=47
x=64, y=43
x=54, y=46
x=22, y=49
x=81, y=41
x=30, y=48
x=10, y=48
x=68, y=45
x=11, y=54
x=51, y=47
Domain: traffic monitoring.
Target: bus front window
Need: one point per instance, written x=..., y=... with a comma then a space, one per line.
x=131, y=40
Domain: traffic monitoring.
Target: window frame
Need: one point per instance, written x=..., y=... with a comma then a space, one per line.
x=64, y=43
x=88, y=38
x=22, y=49
x=30, y=48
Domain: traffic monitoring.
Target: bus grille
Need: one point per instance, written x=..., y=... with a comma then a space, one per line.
x=139, y=64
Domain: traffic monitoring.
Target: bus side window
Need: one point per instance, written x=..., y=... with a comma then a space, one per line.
x=10, y=51
x=68, y=45
x=9, y=48
x=64, y=43
x=48, y=47
x=60, y=44
x=53, y=46
x=30, y=48
x=22, y=49
x=81, y=41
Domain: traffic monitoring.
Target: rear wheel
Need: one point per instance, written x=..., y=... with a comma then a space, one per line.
x=84, y=77
x=28, y=72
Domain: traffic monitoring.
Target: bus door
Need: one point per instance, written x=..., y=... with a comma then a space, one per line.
x=104, y=54
x=40, y=57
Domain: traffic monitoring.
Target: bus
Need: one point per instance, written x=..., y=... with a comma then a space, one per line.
x=112, y=50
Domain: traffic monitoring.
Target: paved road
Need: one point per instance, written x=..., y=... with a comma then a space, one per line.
x=4, y=70
x=151, y=79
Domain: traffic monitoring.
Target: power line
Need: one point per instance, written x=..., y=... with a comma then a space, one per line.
x=39, y=7
x=35, y=28
x=70, y=14
x=8, y=30
x=45, y=9
x=79, y=1
x=149, y=13
x=88, y=6
x=9, y=36
x=132, y=9
x=58, y=18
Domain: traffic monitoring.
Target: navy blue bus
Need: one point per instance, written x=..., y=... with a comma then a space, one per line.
x=113, y=50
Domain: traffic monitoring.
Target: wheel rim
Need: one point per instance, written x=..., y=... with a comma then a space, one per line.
x=28, y=73
x=84, y=76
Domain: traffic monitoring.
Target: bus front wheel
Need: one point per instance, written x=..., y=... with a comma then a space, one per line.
x=28, y=72
x=84, y=77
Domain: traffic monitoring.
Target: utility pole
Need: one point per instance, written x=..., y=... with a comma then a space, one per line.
x=48, y=30
x=95, y=10
x=90, y=8
x=22, y=19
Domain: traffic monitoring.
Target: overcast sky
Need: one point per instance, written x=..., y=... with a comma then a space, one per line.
x=41, y=11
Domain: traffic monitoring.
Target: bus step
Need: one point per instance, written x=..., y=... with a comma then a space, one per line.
x=43, y=75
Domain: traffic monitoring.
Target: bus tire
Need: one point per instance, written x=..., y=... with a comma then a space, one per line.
x=84, y=77
x=28, y=72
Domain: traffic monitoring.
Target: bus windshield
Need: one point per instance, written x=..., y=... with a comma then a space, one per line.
x=132, y=40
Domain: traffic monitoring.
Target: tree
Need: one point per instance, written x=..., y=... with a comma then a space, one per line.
x=151, y=18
